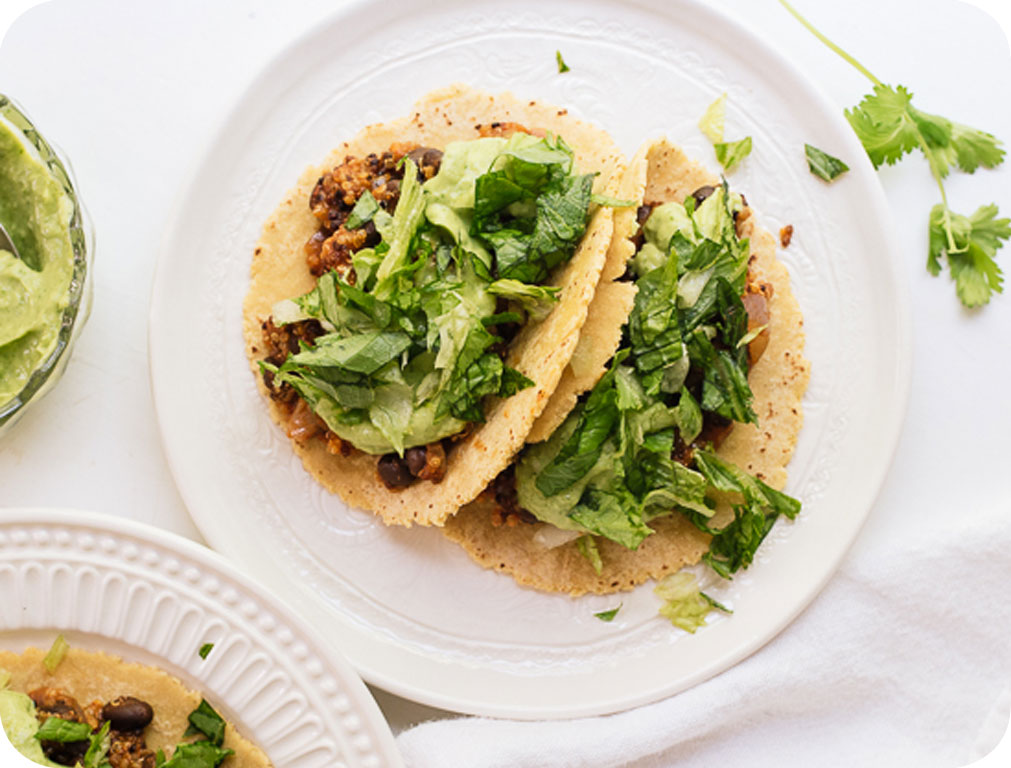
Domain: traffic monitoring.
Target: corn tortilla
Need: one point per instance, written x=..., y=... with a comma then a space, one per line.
x=778, y=381
x=91, y=675
x=540, y=351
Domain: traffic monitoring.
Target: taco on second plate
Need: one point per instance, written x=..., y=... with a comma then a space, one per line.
x=72, y=707
x=670, y=434
x=415, y=299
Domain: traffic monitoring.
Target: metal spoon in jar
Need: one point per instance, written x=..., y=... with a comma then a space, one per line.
x=7, y=244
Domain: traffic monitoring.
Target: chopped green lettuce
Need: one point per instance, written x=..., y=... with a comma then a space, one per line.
x=409, y=354
x=610, y=468
x=63, y=731
x=205, y=720
x=712, y=120
x=609, y=614
x=98, y=748
x=57, y=651
x=823, y=165
x=587, y=547
x=685, y=605
x=731, y=153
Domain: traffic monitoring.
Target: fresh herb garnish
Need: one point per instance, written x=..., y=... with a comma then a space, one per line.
x=205, y=649
x=55, y=654
x=562, y=66
x=889, y=127
x=823, y=165
x=609, y=614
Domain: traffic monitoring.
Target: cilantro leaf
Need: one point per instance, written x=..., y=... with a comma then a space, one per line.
x=884, y=125
x=205, y=649
x=975, y=148
x=975, y=240
x=562, y=66
x=889, y=126
x=823, y=165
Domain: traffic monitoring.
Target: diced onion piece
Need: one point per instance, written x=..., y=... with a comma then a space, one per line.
x=550, y=537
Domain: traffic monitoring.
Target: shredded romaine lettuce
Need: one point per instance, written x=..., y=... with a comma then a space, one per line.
x=610, y=469
x=409, y=354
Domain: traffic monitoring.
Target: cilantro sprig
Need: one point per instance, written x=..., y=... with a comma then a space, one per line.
x=889, y=127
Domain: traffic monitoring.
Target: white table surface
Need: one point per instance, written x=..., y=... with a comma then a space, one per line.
x=132, y=90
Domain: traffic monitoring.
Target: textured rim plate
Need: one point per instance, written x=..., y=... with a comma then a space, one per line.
x=153, y=597
x=408, y=608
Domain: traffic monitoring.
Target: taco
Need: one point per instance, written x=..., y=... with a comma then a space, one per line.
x=94, y=709
x=414, y=300
x=674, y=449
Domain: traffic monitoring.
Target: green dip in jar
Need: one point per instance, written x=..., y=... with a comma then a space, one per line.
x=35, y=290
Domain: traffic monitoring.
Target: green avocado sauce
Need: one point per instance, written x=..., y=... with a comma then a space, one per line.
x=34, y=291
x=17, y=711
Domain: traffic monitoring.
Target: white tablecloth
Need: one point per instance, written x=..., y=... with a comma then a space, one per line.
x=903, y=658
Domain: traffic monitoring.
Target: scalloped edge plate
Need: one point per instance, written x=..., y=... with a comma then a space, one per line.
x=153, y=597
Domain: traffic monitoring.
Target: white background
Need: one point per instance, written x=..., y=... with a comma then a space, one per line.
x=131, y=91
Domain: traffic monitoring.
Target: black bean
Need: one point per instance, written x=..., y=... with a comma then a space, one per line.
x=128, y=714
x=426, y=157
x=393, y=471
x=65, y=752
x=372, y=237
x=702, y=193
x=416, y=459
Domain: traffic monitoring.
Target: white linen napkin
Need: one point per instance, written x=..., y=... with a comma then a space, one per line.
x=903, y=659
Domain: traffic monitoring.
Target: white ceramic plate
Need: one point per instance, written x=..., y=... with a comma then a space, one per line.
x=113, y=585
x=409, y=609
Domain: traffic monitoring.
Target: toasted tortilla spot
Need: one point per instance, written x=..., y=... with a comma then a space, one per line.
x=778, y=381
x=90, y=675
x=540, y=351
